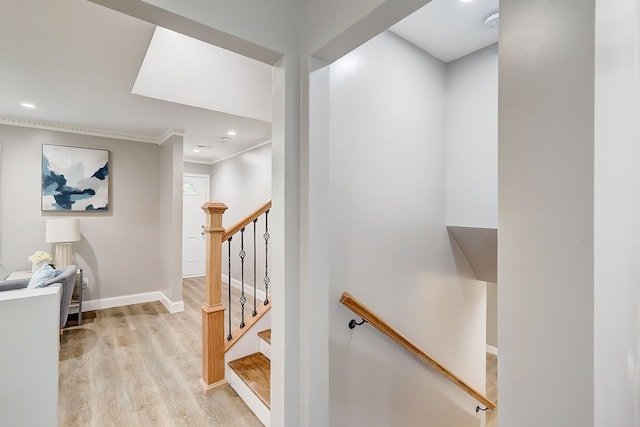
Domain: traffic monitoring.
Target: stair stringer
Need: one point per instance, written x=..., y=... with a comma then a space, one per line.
x=248, y=344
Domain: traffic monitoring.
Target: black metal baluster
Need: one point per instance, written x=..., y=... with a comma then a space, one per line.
x=242, y=254
x=229, y=337
x=255, y=312
x=266, y=279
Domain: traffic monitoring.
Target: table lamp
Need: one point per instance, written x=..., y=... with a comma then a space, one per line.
x=62, y=231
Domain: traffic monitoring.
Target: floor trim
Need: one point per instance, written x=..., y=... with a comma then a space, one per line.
x=171, y=306
x=103, y=303
x=492, y=350
x=208, y=389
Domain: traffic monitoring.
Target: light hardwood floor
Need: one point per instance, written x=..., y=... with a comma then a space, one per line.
x=492, y=389
x=139, y=366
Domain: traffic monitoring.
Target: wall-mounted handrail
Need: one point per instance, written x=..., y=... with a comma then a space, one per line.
x=377, y=322
x=246, y=220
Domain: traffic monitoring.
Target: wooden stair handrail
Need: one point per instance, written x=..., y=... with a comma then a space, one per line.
x=374, y=320
x=246, y=220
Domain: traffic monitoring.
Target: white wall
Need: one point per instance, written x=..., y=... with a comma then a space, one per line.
x=388, y=245
x=546, y=206
x=242, y=182
x=1, y=264
x=170, y=234
x=119, y=248
x=471, y=121
x=617, y=212
x=200, y=168
x=472, y=139
x=492, y=314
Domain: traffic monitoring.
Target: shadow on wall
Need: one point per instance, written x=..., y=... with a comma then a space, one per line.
x=407, y=389
x=462, y=265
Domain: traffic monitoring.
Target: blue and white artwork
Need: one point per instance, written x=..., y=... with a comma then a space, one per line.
x=74, y=179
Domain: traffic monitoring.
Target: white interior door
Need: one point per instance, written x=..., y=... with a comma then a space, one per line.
x=195, y=189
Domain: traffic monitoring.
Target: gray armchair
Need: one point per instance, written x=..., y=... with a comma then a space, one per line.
x=66, y=278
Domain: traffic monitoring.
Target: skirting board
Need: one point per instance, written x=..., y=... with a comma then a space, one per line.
x=103, y=303
x=492, y=350
x=247, y=287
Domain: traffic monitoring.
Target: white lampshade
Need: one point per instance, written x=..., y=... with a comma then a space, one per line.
x=62, y=230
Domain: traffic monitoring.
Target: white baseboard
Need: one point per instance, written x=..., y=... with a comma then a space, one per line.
x=103, y=303
x=492, y=350
x=248, y=289
x=171, y=306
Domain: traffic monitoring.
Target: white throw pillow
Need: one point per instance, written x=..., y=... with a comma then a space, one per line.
x=42, y=276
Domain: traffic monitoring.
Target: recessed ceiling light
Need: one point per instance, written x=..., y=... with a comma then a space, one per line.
x=231, y=133
x=28, y=105
x=196, y=150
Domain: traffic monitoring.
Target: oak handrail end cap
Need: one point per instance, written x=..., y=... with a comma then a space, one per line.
x=345, y=296
x=214, y=206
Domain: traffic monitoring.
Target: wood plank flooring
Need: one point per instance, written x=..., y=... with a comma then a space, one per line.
x=139, y=366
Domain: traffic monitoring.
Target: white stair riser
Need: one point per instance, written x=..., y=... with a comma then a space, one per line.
x=265, y=348
x=248, y=396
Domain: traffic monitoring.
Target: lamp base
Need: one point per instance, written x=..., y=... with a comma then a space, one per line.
x=62, y=255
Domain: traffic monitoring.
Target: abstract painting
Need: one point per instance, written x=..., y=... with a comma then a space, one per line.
x=74, y=179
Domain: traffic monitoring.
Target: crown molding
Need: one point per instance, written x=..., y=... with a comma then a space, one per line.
x=168, y=134
x=199, y=162
x=37, y=124
x=237, y=153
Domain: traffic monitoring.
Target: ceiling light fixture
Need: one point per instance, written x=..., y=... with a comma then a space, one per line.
x=28, y=105
x=224, y=140
x=196, y=150
x=231, y=133
x=492, y=20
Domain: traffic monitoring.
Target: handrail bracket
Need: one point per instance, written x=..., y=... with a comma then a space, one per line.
x=353, y=323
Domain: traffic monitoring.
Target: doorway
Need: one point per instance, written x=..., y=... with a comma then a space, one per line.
x=195, y=190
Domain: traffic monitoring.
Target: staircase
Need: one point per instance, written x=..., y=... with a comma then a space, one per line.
x=250, y=376
x=236, y=339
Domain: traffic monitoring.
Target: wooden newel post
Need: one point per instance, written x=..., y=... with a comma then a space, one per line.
x=213, y=310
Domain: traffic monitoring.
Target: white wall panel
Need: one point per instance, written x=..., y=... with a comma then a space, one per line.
x=545, y=239
x=472, y=139
x=389, y=245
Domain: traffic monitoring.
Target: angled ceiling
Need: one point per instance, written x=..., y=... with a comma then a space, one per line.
x=450, y=29
x=180, y=69
x=87, y=67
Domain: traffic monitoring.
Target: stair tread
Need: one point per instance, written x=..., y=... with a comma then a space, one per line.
x=255, y=371
x=265, y=335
